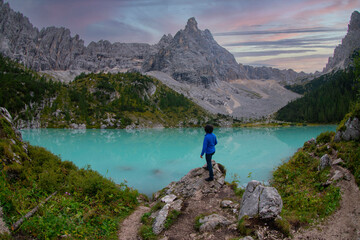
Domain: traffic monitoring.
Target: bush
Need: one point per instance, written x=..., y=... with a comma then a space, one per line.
x=325, y=137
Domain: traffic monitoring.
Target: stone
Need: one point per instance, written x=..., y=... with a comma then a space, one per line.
x=261, y=201
x=312, y=141
x=168, y=198
x=246, y=238
x=158, y=225
x=226, y=204
x=194, y=182
x=209, y=223
x=325, y=161
x=337, y=161
x=177, y=205
x=194, y=57
x=3, y=228
x=337, y=176
x=270, y=203
x=342, y=56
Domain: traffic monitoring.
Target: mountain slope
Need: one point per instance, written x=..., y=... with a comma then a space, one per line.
x=194, y=57
x=327, y=99
x=342, y=57
x=123, y=100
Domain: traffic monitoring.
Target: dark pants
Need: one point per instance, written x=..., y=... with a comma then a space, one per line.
x=209, y=165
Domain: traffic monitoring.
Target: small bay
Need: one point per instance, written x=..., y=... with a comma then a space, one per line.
x=150, y=159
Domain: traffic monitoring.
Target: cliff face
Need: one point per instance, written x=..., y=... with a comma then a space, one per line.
x=193, y=56
x=54, y=49
x=343, y=52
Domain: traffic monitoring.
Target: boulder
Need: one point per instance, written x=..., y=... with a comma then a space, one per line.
x=3, y=228
x=158, y=225
x=351, y=132
x=209, y=223
x=324, y=162
x=194, y=182
x=261, y=201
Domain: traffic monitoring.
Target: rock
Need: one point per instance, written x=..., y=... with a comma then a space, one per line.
x=209, y=223
x=342, y=56
x=194, y=182
x=351, y=132
x=337, y=176
x=312, y=141
x=158, y=225
x=194, y=57
x=169, y=198
x=177, y=205
x=3, y=228
x=246, y=238
x=260, y=200
x=337, y=161
x=226, y=204
x=324, y=162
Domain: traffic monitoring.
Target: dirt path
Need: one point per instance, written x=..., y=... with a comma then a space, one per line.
x=130, y=226
x=343, y=224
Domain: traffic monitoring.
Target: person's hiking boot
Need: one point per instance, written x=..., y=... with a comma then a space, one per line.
x=209, y=179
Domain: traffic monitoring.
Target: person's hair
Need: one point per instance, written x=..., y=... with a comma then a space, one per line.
x=209, y=129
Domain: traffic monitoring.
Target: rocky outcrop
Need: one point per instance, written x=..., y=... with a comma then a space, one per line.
x=325, y=161
x=193, y=56
x=284, y=77
x=209, y=223
x=261, y=201
x=54, y=48
x=194, y=182
x=350, y=132
x=3, y=228
x=343, y=53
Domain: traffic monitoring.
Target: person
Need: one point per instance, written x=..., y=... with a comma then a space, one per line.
x=209, y=149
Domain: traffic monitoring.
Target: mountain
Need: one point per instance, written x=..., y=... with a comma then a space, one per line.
x=284, y=77
x=53, y=48
x=193, y=56
x=343, y=53
x=191, y=63
x=326, y=100
x=103, y=100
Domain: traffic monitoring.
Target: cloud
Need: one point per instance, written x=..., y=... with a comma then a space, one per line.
x=268, y=53
x=116, y=31
x=285, y=42
x=308, y=63
x=285, y=31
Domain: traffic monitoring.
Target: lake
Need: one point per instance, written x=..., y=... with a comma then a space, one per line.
x=150, y=159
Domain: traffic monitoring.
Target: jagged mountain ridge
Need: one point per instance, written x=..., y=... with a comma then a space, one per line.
x=342, y=56
x=193, y=56
x=55, y=49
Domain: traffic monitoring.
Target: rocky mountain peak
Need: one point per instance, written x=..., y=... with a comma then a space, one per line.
x=354, y=21
x=191, y=25
x=342, y=57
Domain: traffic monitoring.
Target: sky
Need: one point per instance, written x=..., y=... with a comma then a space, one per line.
x=297, y=34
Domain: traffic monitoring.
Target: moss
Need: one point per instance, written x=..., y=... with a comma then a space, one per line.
x=283, y=226
x=147, y=233
x=171, y=218
x=243, y=226
x=197, y=224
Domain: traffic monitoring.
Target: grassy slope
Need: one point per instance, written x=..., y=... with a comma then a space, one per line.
x=87, y=205
x=327, y=99
x=111, y=100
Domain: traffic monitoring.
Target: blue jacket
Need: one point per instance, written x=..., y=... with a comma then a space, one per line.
x=209, y=144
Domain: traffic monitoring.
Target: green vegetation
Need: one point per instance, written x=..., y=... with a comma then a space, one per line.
x=243, y=227
x=97, y=100
x=327, y=99
x=20, y=87
x=299, y=183
x=86, y=205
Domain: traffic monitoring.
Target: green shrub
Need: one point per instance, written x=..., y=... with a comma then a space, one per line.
x=283, y=226
x=243, y=226
x=325, y=137
x=171, y=218
x=147, y=233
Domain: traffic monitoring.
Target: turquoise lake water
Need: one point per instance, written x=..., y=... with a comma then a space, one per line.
x=150, y=159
